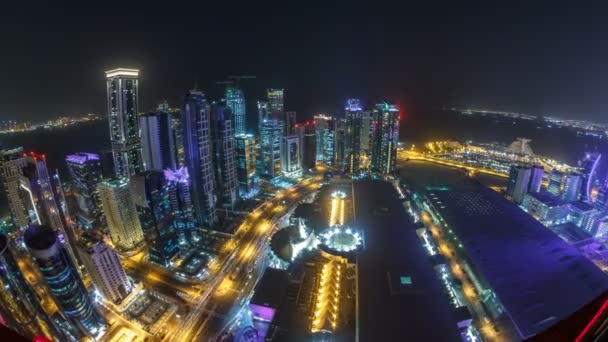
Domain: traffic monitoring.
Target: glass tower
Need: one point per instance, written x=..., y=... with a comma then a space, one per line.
x=224, y=154
x=178, y=182
x=385, y=138
x=269, y=158
x=12, y=163
x=246, y=159
x=62, y=280
x=86, y=173
x=236, y=102
x=158, y=141
x=122, y=96
x=354, y=117
x=275, y=101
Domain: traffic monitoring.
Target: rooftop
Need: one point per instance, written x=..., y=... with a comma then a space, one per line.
x=269, y=291
x=121, y=72
x=547, y=198
x=539, y=278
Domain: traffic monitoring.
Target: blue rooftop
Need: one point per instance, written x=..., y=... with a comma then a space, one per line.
x=547, y=198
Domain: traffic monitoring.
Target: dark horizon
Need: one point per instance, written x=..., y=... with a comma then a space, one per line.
x=533, y=59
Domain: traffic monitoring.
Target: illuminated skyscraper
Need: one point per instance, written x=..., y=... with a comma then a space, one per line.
x=263, y=114
x=385, y=138
x=269, y=158
x=340, y=149
x=62, y=280
x=366, y=129
x=12, y=163
x=121, y=214
x=184, y=221
x=103, y=265
x=158, y=141
x=536, y=178
x=123, y=108
x=276, y=101
x=308, y=145
x=354, y=125
x=152, y=200
x=326, y=135
x=246, y=163
x=85, y=171
x=566, y=186
x=199, y=156
x=20, y=309
x=291, y=165
x=519, y=180
x=589, y=165
x=224, y=154
x=236, y=102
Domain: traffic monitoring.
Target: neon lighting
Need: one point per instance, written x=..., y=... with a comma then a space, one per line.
x=405, y=280
x=33, y=203
x=591, y=175
x=592, y=322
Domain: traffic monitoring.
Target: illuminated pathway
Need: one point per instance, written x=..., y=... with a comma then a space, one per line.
x=404, y=154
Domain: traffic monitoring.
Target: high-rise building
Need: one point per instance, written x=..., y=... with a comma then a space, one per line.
x=385, y=138
x=601, y=203
x=290, y=123
x=269, y=157
x=354, y=125
x=158, y=141
x=340, y=149
x=519, y=180
x=121, y=214
x=12, y=163
x=566, y=186
x=536, y=178
x=326, y=133
x=152, y=200
x=589, y=165
x=291, y=164
x=276, y=101
x=246, y=163
x=20, y=309
x=86, y=173
x=366, y=130
x=236, y=102
x=184, y=220
x=263, y=114
x=103, y=265
x=308, y=142
x=123, y=108
x=62, y=280
x=199, y=157
x=224, y=154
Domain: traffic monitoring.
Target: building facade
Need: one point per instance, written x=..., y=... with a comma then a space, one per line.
x=385, y=138
x=308, y=145
x=589, y=167
x=184, y=219
x=12, y=163
x=121, y=214
x=246, y=163
x=158, y=141
x=291, y=163
x=354, y=127
x=224, y=155
x=567, y=186
x=269, y=157
x=236, y=102
x=326, y=133
x=123, y=108
x=276, y=103
x=86, y=173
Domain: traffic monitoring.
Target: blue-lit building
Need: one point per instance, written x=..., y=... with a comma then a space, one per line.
x=601, y=202
x=263, y=114
x=308, y=141
x=184, y=220
x=269, y=156
x=63, y=281
x=326, y=138
x=158, y=141
x=589, y=167
x=385, y=138
x=224, y=155
x=291, y=164
x=580, y=212
x=545, y=207
x=199, y=157
x=86, y=173
x=523, y=179
x=152, y=199
x=567, y=186
x=354, y=126
x=246, y=163
x=236, y=102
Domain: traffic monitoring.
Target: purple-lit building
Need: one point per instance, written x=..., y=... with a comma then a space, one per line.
x=268, y=295
x=184, y=221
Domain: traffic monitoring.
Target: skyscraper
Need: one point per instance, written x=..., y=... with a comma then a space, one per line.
x=291, y=164
x=326, y=133
x=354, y=124
x=308, y=142
x=121, y=214
x=340, y=153
x=123, y=108
x=536, y=178
x=20, y=309
x=263, y=114
x=236, y=102
x=158, y=141
x=519, y=181
x=589, y=165
x=276, y=101
x=198, y=157
x=566, y=186
x=103, y=265
x=224, y=154
x=366, y=129
x=152, y=200
x=62, y=280
x=269, y=158
x=184, y=221
x=12, y=163
x=86, y=173
x=246, y=163
x=385, y=138
x=290, y=123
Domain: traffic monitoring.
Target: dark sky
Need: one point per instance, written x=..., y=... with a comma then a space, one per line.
x=547, y=59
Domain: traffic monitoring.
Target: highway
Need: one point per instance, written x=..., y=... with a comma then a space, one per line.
x=236, y=270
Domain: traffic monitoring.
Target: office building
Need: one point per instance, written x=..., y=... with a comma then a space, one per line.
x=385, y=138
x=354, y=126
x=20, y=309
x=276, y=102
x=523, y=179
x=291, y=165
x=62, y=280
x=246, y=163
x=601, y=202
x=86, y=173
x=158, y=141
x=12, y=163
x=567, y=186
x=103, y=265
x=290, y=123
x=536, y=178
x=199, y=157
x=308, y=145
x=595, y=224
x=152, y=199
x=121, y=214
x=236, y=102
x=224, y=154
x=326, y=132
x=263, y=114
x=550, y=210
x=340, y=149
x=580, y=212
x=269, y=157
x=589, y=167
x=366, y=130
x=123, y=108
x=184, y=220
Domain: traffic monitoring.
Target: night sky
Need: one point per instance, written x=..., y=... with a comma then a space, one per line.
x=551, y=60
